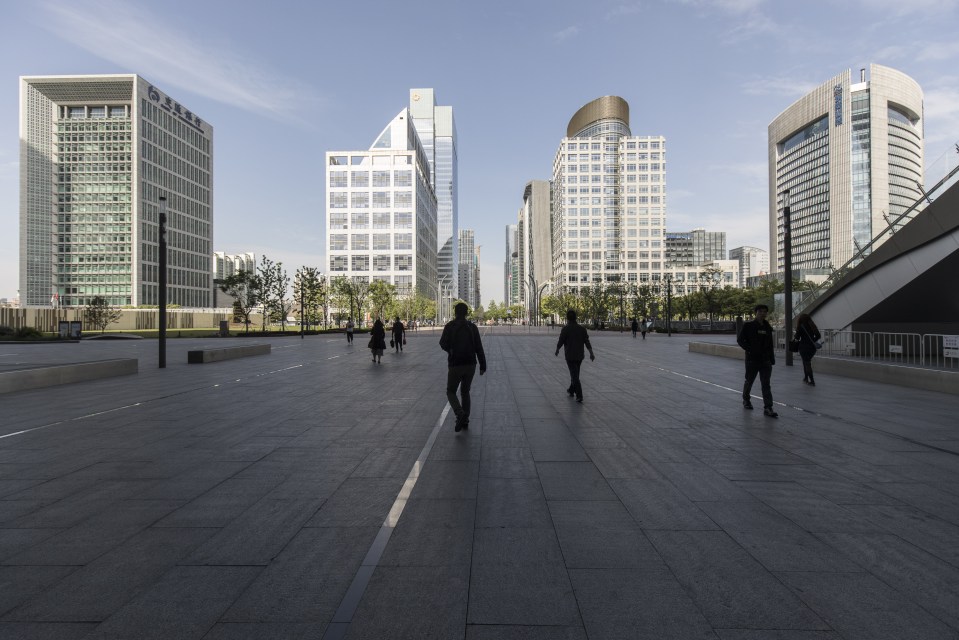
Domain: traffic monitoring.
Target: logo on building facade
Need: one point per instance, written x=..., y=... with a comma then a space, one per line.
x=837, y=101
x=175, y=108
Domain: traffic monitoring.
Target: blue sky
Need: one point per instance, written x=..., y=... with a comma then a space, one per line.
x=283, y=82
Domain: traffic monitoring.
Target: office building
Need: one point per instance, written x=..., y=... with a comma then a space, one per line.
x=96, y=154
x=752, y=262
x=534, y=246
x=468, y=271
x=381, y=213
x=224, y=266
x=437, y=132
x=511, y=279
x=609, y=200
x=694, y=248
x=850, y=155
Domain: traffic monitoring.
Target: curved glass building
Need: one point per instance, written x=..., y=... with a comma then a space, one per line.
x=850, y=153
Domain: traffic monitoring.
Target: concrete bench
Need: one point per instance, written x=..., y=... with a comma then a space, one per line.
x=39, y=377
x=217, y=354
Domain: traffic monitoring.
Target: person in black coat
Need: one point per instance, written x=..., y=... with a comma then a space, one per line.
x=399, y=334
x=461, y=341
x=575, y=341
x=756, y=339
x=807, y=334
x=378, y=341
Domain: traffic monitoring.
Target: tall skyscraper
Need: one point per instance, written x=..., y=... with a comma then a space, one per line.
x=96, y=154
x=609, y=200
x=695, y=248
x=534, y=244
x=437, y=131
x=381, y=212
x=468, y=271
x=511, y=277
x=752, y=262
x=851, y=156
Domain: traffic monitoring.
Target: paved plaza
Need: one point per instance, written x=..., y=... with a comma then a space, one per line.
x=311, y=493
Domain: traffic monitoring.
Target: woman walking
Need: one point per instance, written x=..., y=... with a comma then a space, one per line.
x=808, y=336
x=378, y=340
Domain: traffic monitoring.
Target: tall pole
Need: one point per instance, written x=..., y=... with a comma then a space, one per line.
x=162, y=288
x=788, y=266
x=669, y=305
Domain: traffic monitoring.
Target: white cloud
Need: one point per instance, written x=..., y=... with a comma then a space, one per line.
x=779, y=85
x=566, y=33
x=938, y=51
x=941, y=106
x=898, y=8
x=149, y=44
x=624, y=10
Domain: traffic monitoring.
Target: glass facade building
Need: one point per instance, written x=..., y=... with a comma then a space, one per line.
x=96, y=153
x=851, y=156
x=695, y=248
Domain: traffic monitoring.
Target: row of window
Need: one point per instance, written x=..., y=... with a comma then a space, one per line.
x=338, y=179
x=363, y=199
x=598, y=146
x=380, y=241
x=363, y=263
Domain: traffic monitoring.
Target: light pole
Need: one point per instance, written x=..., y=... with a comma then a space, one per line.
x=669, y=305
x=788, y=281
x=162, y=284
x=539, y=299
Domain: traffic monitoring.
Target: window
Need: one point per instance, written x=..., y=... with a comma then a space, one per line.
x=380, y=179
x=338, y=160
x=361, y=178
x=381, y=242
x=360, y=242
x=403, y=220
x=361, y=263
x=360, y=200
x=403, y=199
x=404, y=241
x=360, y=220
x=339, y=220
x=338, y=179
x=337, y=242
x=381, y=199
x=338, y=263
x=381, y=263
x=337, y=200
x=404, y=263
x=403, y=178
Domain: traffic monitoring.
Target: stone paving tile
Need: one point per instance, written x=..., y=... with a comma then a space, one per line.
x=728, y=586
x=184, y=603
x=622, y=463
x=10, y=488
x=625, y=603
x=19, y=584
x=221, y=504
x=573, y=481
x=506, y=562
x=97, y=535
x=808, y=509
x=601, y=535
x=266, y=631
x=307, y=580
x=358, y=502
x=860, y=607
x=701, y=484
x=657, y=504
x=448, y=479
x=402, y=602
x=14, y=541
x=96, y=590
x=516, y=632
x=507, y=462
x=78, y=507
x=924, y=497
x=921, y=577
x=45, y=630
x=927, y=532
x=508, y=502
x=775, y=634
x=391, y=462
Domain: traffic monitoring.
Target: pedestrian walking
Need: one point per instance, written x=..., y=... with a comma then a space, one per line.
x=644, y=328
x=635, y=327
x=756, y=339
x=809, y=339
x=349, y=331
x=461, y=341
x=575, y=342
x=378, y=341
x=399, y=335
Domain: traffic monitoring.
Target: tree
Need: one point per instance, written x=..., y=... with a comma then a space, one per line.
x=244, y=287
x=709, y=279
x=309, y=291
x=381, y=295
x=351, y=293
x=494, y=311
x=100, y=314
x=268, y=284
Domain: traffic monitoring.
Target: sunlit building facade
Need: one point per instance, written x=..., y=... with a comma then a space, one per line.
x=96, y=154
x=850, y=154
x=381, y=212
x=752, y=262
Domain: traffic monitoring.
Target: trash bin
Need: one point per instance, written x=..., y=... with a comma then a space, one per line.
x=224, y=328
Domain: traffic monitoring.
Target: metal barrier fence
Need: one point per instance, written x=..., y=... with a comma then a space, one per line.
x=934, y=351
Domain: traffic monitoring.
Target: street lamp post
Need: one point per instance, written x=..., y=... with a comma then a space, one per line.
x=669, y=305
x=162, y=284
x=788, y=281
x=539, y=300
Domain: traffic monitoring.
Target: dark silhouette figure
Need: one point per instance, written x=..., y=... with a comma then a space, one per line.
x=756, y=339
x=635, y=327
x=349, y=331
x=575, y=341
x=807, y=333
x=644, y=327
x=461, y=341
x=399, y=334
x=378, y=341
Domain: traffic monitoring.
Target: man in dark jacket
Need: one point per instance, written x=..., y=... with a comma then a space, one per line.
x=461, y=340
x=756, y=339
x=399, y=334
x=574, y=340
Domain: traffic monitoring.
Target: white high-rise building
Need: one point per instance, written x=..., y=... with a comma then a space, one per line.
x=534, y=245
x=609, y=200
x=850, y=154
x=437, y=131
x=752, y=262
x=381, y=213
x=468, y=271
x=511, y=277
x=96, y=154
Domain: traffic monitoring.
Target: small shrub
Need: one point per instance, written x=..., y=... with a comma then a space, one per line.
x=6, y=332
x=28, y=333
